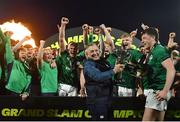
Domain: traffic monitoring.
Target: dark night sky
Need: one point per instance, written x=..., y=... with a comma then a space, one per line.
x=42, y=16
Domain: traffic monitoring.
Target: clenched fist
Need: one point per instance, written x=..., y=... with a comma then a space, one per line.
x=109, y=29
x=102, y=26
x=91, y=29
x=42, y=42
x=172, y=35
x=134, y=33
x=97, y=31
x=85, y=27
x=64, y=20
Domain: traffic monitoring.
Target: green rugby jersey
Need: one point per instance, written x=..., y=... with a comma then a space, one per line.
x=111, y=59
x=67, y=69
x=18, y=77
x=49, y=78
x=156, y=74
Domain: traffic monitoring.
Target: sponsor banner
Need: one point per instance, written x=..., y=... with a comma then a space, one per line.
x=75, y=35
x=74, y=108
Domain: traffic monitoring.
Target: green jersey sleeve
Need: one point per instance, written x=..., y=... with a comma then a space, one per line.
x=90, y=39
x=2, y=43
x=6, y=41
x=162, y=54
x=8, y=54
x=136, y=56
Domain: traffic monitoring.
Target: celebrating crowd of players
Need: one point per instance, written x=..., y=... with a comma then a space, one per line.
x=44, y=71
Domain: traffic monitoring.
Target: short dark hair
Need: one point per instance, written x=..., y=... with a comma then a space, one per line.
x=73, y=44
x=27, y=46
x=152, y=32
x=16, y=54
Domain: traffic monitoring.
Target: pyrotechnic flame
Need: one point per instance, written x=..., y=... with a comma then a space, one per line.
x=19, y=32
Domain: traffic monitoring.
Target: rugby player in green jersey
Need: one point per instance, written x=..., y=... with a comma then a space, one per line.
x=67, y=64
x=160, y=76
x=127, y=83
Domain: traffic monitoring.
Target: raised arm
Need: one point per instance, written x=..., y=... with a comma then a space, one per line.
x=64, y=22
x=14, y=49
x=40, y=54
x=2, y=36
x=133, y=33
x=171, y=43
x=8, y=52
x=85, y=35
x=90, y=39
x=2, y=43
x=101, y=42
x=108, y=35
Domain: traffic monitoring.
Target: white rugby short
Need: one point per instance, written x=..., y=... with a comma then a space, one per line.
x=152, y=102
x=67, y=90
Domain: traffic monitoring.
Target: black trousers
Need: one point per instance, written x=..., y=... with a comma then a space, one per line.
x=99, y=107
